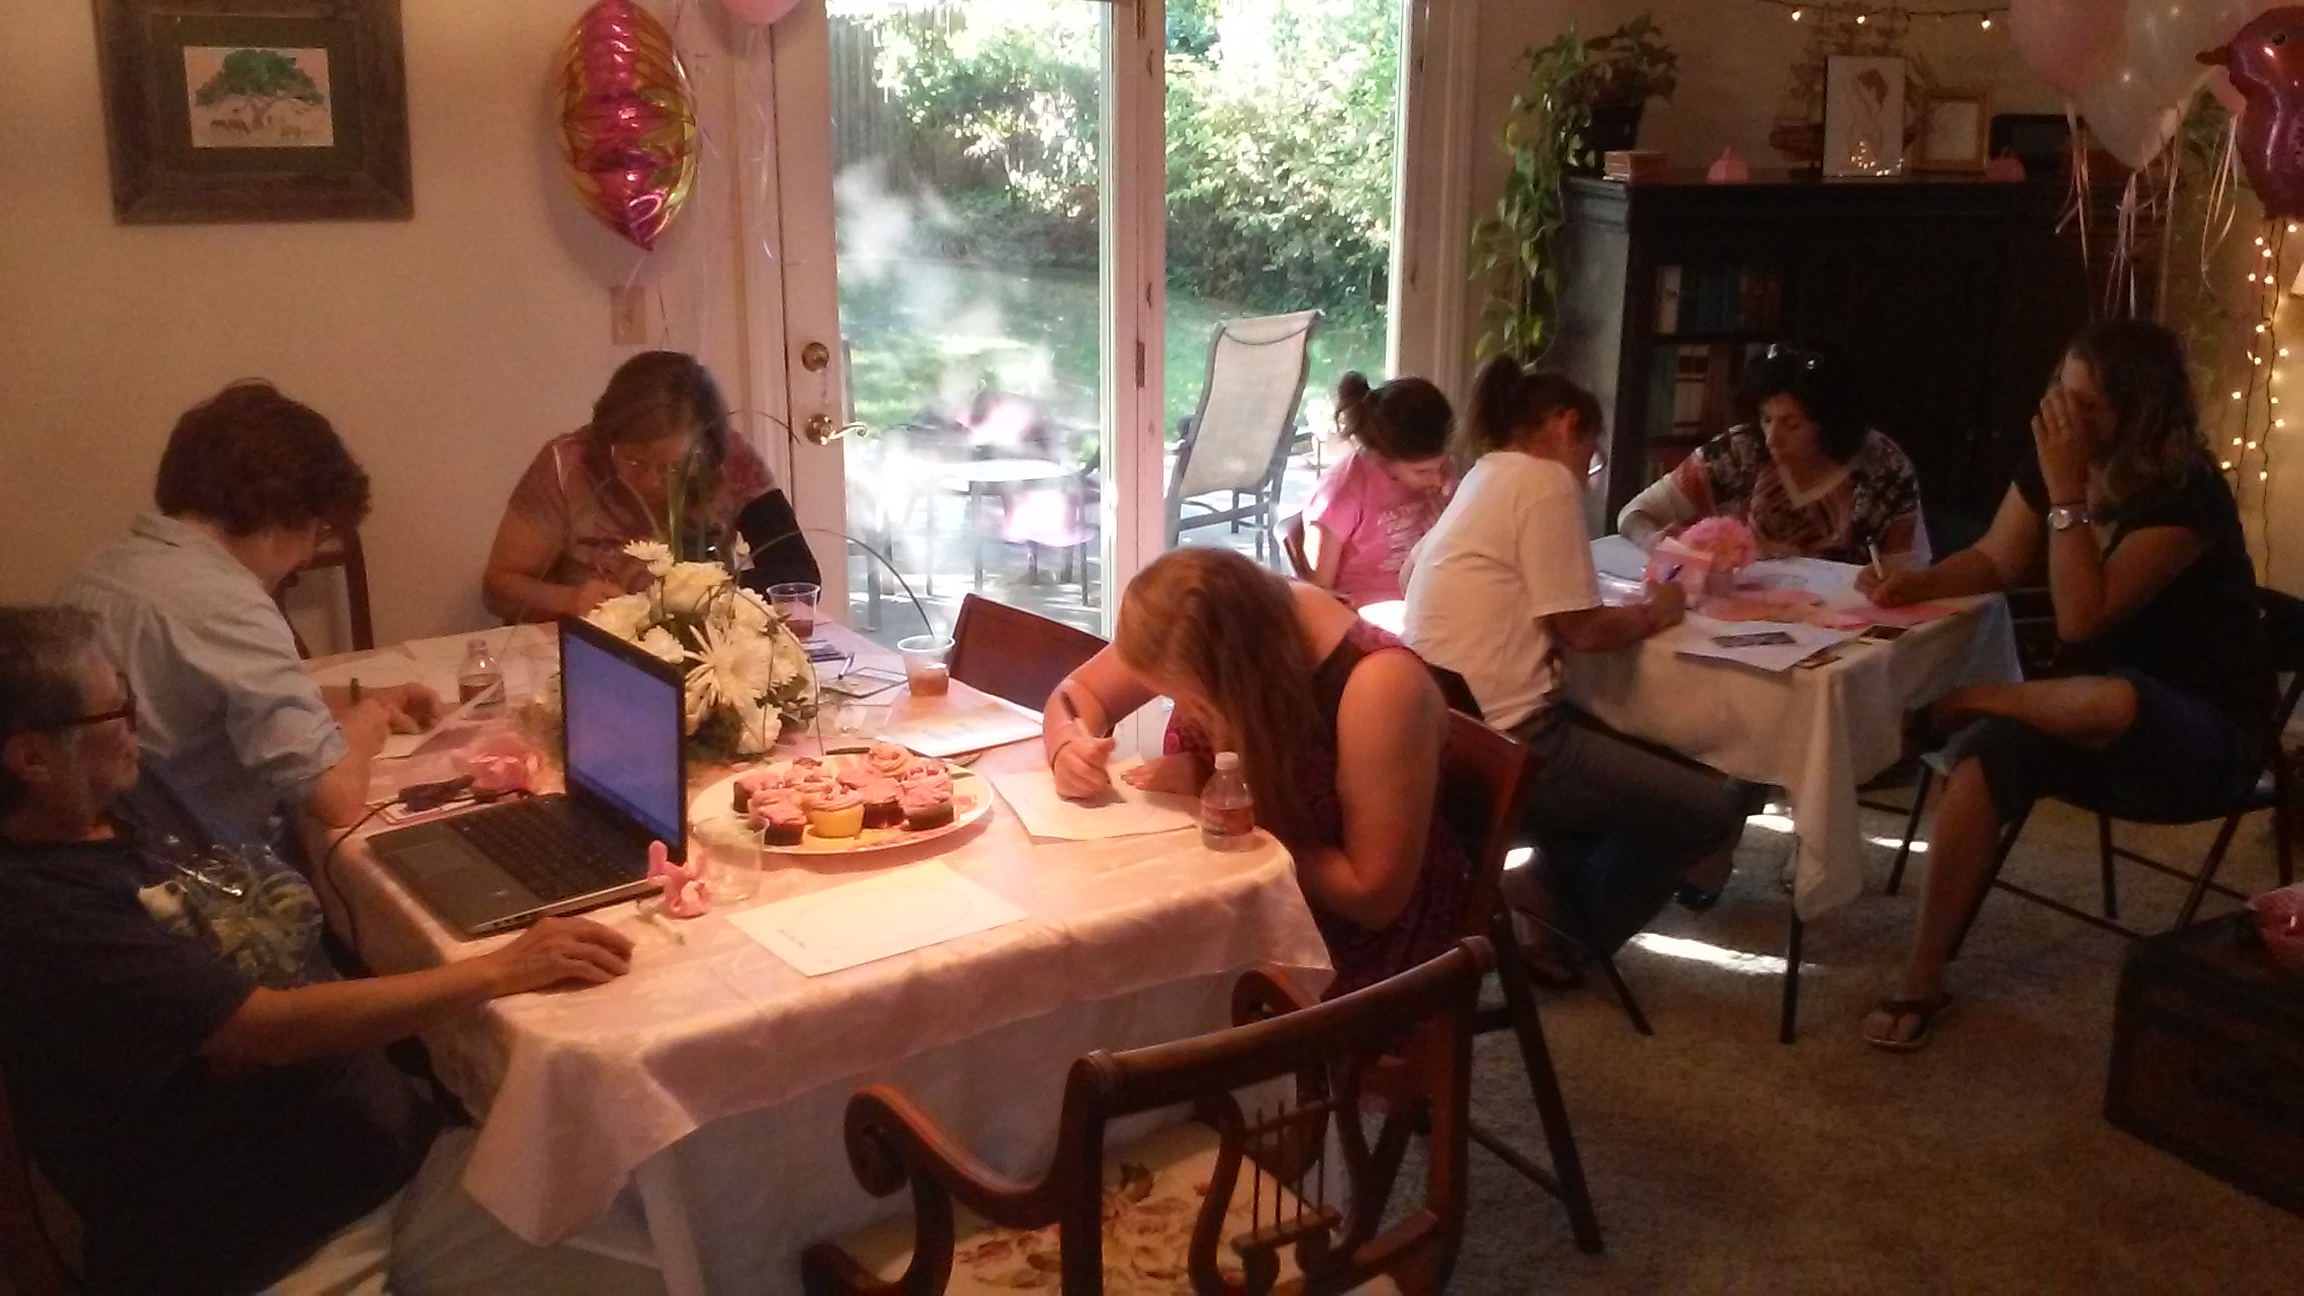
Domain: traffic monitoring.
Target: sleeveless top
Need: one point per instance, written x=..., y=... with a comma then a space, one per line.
x=1434, y=917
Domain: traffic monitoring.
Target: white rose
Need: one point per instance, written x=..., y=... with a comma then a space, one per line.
x=623, y=616
x=655, y=555
x=663, y=645
x=689, y=587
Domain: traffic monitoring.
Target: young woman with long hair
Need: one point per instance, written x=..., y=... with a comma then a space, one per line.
x=1502, y=584
x=1338, y=726
x=1372, y=506
x=660, y=425
x=2167, y=715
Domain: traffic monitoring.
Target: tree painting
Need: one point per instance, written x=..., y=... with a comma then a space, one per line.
x=258, y=98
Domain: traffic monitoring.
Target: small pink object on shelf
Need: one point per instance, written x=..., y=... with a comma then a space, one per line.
x=2007, y=167
x=685, y=895
x=1728, y=168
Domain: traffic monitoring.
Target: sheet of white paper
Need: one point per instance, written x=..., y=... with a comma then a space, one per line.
x=1123, y=812
x=1700, y=636
x=401, y=746
x=1613, y=555
x=382, y=668
x=1833, y=582
x=965, y=728
x=880, y=917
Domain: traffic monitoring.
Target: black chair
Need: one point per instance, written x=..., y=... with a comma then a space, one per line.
x=2284, y=627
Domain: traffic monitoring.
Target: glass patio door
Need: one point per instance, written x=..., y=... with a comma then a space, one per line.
x=970, y=263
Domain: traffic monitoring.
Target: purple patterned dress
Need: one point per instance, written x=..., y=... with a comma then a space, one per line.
x=1434, y=918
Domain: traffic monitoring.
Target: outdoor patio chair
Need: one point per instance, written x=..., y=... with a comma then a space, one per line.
x=1237, y=443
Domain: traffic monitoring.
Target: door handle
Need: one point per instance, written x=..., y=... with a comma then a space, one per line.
x=821, y=430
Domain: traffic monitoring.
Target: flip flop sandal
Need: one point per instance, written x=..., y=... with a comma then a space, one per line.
x=1927, y=1012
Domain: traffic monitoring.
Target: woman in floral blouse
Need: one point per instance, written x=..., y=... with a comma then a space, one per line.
x=1803, y=471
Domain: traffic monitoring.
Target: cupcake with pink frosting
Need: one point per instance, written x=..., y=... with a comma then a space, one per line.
x=936, y=780
x=881, y=809
x=926, y=805
x=835, y=812
x=752, y=783
x=778, y=816
x=888, y=760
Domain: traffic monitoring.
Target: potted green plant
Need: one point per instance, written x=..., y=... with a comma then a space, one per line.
x=1554, y=130
x=1624, y=69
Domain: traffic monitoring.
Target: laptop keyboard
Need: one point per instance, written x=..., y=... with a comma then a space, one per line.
x=547, y=848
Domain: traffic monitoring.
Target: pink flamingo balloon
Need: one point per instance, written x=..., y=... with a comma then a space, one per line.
x=2266, y=64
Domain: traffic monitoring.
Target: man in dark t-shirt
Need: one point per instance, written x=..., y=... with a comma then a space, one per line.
x=216, y=1109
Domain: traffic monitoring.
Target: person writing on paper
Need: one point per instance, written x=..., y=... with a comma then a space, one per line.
x=2155, y=598
x=660, y=460
x=249, y=486
x=1372, y=506
x=1502, y=584
x=186, y=1068
x=1338, y=726
x=1803, y=471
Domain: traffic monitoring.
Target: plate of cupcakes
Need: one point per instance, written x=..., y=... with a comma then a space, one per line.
x=844, y=802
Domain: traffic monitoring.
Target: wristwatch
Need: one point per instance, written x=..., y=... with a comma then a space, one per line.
x=2064, y=517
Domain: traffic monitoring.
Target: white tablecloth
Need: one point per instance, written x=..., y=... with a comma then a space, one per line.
x=1816, y=733
x=712, y=1078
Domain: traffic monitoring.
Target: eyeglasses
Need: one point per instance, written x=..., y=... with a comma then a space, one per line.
x=1799, y=355
x=125, y=711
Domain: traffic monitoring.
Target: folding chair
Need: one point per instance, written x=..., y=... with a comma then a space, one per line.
x=1237, y=442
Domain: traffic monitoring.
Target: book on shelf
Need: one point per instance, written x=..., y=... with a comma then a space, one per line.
x=1668, y=299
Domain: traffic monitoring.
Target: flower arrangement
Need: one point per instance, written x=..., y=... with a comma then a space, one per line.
x=748, y=674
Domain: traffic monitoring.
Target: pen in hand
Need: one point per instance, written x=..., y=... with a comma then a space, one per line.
x=355, y=691
x=1879, y=573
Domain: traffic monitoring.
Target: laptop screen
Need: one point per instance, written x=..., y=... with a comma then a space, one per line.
x=624, y=725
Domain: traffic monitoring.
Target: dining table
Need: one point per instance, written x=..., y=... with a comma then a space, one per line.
x=689, y=1114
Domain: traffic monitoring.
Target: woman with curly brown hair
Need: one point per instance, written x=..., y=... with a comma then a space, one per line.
x=1338, y=726
x=2154, y=592
x=1372, y=506
x=249, y=484
x=660, y=460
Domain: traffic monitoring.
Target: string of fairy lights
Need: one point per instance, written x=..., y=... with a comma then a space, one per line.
x=2249, y=447
x=1986, y=17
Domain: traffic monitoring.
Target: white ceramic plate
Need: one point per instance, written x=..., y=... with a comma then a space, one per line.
x=971, y=800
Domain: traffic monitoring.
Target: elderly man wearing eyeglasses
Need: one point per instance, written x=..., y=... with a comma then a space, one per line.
x=1803, y=470
x=185, y=1066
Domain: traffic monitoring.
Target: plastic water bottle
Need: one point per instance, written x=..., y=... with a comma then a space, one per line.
x=479, y=676
x=1227, y=811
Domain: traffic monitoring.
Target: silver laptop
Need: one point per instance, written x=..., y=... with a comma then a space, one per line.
x=504, y=866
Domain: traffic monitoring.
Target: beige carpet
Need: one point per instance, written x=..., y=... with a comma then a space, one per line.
x=1722, y=1161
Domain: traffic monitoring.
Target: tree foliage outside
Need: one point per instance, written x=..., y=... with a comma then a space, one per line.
x=1281, y=129
x=263, y=78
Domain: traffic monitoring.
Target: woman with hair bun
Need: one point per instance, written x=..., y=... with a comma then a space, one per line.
x=1374, y=504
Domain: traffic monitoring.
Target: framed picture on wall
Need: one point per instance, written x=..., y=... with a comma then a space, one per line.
x=1863, y=116
x=1955, y=129
x=254, y=110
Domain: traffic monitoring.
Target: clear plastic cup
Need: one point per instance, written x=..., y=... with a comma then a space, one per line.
x=796, y=601
x=730, y=846
x=925, y=664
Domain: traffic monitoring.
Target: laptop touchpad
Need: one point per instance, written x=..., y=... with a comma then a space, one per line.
x=466, y=886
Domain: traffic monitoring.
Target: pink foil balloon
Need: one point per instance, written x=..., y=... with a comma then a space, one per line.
x=758, y=13
x=2067, y=43
x=627, y=121
x=2266, y=63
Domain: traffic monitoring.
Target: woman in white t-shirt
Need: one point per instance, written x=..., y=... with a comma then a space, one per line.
x=1502, y=583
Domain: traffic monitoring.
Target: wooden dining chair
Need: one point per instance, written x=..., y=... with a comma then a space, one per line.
x=1485, y=779
x=2273, y=791
x=1236, y=1199
x=1013, y=654
x=340, y=551
x=1292, y=544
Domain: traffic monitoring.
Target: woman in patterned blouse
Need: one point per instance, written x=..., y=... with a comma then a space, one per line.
x=1803, y=471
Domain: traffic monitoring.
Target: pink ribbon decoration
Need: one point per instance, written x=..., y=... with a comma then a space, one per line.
x=685, y=895
x=627, y=121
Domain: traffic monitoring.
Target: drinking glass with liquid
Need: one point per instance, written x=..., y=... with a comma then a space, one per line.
x=480, y=676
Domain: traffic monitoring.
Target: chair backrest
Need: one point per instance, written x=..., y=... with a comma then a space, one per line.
x=341, y=550
x=1239, y=437
x=1292, y=544
x=2284, y=632
x=1013, y=654
x=1485, y=781
x=1408, y=1037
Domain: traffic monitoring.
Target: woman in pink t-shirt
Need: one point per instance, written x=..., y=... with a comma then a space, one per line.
x=1374, y=504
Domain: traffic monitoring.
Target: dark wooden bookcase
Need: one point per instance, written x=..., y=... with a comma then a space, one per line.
x=1953, y=296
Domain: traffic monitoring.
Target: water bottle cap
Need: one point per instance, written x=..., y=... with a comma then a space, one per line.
x=1227, y=760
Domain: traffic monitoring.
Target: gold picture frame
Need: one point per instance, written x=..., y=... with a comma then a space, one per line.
x=1955, y=131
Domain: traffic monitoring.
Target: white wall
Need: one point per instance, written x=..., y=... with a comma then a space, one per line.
x=444, y=348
